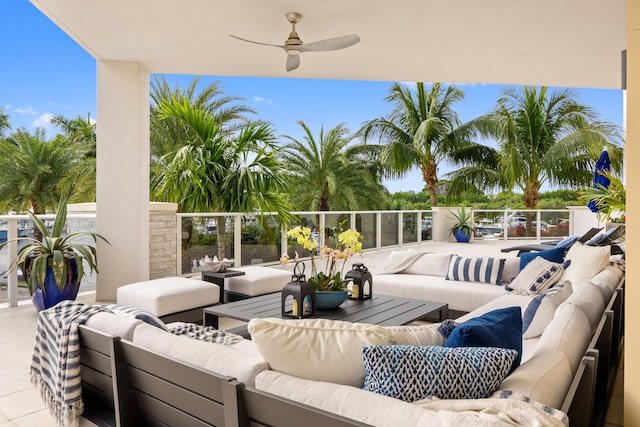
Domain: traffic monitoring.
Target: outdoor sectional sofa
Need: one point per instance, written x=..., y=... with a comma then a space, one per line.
x=568, y=358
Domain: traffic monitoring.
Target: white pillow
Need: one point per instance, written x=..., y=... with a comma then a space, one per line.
x=536, y=277
x=416, y=335
x=540, y=311
x=317, y=349
x=545, y=378
x=589, y=298
x=430, y=265
x=586, y=262
x=511, y=269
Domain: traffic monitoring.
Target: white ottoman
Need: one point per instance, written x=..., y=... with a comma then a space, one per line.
x=258, y=281
x=170, y=297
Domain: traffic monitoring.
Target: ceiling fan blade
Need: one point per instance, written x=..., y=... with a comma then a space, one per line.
x=251, y=41
x=335, y=43
x=293, y=62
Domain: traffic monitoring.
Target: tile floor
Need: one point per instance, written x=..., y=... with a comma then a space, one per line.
x=20, y=403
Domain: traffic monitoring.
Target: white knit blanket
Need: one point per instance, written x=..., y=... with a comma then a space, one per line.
x=55, y=365
x=505, y=408
x=399, y=260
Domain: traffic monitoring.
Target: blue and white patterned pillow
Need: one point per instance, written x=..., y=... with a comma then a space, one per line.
x=539, y=275
x=486, y=270
x=412, y=373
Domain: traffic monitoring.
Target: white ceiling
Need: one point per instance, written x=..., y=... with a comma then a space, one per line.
x=552, y=42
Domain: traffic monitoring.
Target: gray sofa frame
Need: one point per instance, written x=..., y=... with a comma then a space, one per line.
x=126, y=385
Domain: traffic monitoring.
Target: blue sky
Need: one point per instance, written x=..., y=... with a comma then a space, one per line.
x=44, y=72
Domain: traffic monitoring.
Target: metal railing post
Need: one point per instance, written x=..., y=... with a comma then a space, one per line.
x=378, y=230
x=12, y=278
x=179, y=245
x=237, y=239
x=400, y=228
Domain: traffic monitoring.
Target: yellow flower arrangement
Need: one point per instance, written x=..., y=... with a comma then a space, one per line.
x=349, y=244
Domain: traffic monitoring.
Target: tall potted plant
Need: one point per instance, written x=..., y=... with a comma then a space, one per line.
x=462, y=226
x=53, y=267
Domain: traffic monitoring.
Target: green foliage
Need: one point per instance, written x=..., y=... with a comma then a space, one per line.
x=463, y=221
x=324, y=173
x=543, y=137
x=55, y=251
x=31, y=171
x=419, y=131
x=611, y=201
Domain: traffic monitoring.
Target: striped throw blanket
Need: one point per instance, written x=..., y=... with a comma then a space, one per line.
x=55, y=366
x=205, y=333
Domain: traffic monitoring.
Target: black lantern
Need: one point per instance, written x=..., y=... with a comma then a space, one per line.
x=303, y=293
x=362, y=282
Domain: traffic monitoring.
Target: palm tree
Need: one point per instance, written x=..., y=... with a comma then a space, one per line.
x=325, y=174
x=81, y=136
x=31, y=169
x=168, y=134
x=4, y=123
x=417, y=132
x=542, y=137
x=219, y=171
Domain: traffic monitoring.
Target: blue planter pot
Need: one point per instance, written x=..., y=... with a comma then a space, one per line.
x=329, y=300
x=461, y=236
x=52, y=295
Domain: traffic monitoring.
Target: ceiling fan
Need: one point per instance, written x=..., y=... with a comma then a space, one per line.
x=294, y=46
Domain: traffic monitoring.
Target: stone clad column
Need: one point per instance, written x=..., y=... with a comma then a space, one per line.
x=122, y=187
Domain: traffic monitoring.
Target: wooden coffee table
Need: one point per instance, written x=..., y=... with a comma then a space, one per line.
x=380, y=310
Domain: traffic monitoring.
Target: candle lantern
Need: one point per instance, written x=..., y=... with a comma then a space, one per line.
x=303, y=295
x=361, y=282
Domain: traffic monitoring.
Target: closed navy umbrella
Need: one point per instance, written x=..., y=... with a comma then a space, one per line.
x=599, y=179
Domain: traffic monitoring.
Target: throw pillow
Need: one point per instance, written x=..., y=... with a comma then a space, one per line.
x=486, y=270
x=554, y=255
x=567, y=242
x=317, y=349
x=537, y=276
x=586, y=262
x=412, y=373
x=500, y=328
x=540, y=310
x=137, y=313
x=430, y=265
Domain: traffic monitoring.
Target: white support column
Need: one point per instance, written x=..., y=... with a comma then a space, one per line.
x=122, y=185
x=12, y=248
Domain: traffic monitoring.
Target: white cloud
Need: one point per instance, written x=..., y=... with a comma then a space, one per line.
x=28, y=110
x=261, y=99
x=43, y=121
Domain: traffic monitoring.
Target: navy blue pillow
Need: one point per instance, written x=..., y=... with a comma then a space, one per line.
x=554, y=255
x=500, y=328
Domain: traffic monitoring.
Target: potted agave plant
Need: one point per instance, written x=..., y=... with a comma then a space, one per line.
x=462, y=227
x=53, y=267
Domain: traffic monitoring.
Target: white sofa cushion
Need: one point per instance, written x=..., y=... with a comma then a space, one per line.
x=589, y=298
x=607, y=281
x=485, y=270
x=351, y=402
x=541, y=309
x=586, y=262
x=568, y=333
x=538, y=275
x=317, y=349
x=113, y=324
x=416, y=335
x=545, y=378
x=462, y=296
x=217, y=358
x=430, y=265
